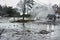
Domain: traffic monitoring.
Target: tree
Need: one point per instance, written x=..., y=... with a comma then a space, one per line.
x=12, y=12
x=0, y=8
x=28, y=7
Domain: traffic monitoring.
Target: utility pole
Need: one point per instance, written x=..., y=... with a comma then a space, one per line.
x=24, y=9
x=24, y=14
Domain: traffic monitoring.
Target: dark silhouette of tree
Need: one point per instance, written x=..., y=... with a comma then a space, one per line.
x=0, y=8
x=11, y=11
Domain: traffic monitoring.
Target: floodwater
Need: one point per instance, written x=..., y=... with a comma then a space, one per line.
x=14, y=31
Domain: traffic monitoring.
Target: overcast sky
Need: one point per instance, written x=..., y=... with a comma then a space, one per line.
x=14, y=2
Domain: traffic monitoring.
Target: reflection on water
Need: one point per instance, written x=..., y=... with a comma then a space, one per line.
x=12, y=34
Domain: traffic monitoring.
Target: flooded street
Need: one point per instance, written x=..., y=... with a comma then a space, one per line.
x=16, y=33
x=30, y=20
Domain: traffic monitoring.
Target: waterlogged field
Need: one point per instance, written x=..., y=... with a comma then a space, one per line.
x=14, y=31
